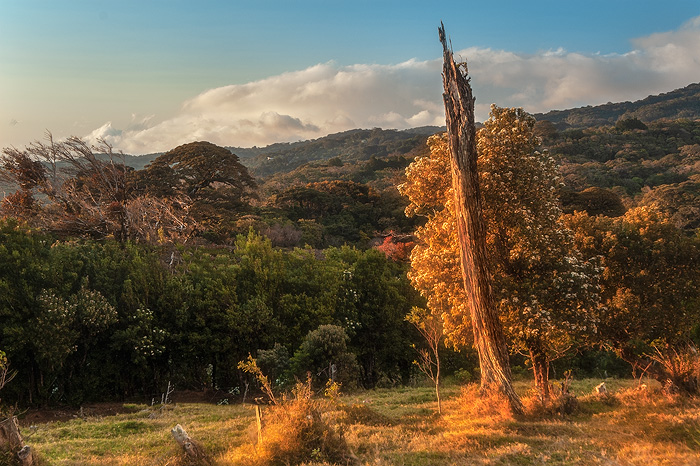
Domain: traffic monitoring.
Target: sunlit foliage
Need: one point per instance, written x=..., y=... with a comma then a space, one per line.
x=546, y=294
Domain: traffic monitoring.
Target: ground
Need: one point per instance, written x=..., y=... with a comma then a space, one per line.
x=630, y=426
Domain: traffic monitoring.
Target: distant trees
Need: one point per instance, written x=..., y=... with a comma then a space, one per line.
x=74, y=189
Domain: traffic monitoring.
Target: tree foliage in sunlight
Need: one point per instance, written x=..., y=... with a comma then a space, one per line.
x=546, y=294
x=649, y=285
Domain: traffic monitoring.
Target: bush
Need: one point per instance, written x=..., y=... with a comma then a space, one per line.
x=295, y=432
x=324, y=350
x=560, y=402
x=275, y=363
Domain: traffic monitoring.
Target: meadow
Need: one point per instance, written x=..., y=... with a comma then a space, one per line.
x=400, y=426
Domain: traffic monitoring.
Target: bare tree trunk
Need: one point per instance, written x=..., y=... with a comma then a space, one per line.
x=437, y=380
x=461, y=131
x=191, y=448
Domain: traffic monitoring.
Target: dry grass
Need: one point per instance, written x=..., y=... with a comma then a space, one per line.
x=399, y=426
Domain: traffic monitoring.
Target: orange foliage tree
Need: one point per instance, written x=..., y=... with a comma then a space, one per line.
x=546, y=294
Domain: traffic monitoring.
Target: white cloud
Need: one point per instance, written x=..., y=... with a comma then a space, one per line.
x=327, y=98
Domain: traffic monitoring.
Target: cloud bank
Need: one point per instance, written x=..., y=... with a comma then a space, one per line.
x=328, y=98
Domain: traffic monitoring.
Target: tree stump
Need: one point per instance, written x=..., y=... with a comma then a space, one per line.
x=11, y=441
x=191, y=448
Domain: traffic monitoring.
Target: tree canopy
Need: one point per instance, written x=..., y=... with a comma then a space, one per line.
x=546, y=294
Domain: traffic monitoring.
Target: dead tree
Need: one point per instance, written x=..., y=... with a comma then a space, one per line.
x=461, y=131
x=11, y=441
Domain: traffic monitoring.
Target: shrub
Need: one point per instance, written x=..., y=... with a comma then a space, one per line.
x=560, y=402
x=323, y=350
x=294, y=432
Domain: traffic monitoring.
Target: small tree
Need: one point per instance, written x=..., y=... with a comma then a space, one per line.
x=325, y=352
x=430, y=326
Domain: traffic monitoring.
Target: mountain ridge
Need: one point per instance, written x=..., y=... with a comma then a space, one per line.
x=680, y=103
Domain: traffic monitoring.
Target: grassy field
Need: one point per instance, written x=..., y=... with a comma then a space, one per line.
x=401, y=427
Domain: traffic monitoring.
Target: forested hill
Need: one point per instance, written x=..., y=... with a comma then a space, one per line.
x=348, y=146
x=681, y=103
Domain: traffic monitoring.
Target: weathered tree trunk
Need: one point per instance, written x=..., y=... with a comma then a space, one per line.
x=461, y=131
x=191, y=448
x=11, y=441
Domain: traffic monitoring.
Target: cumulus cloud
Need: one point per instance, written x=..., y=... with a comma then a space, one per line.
x=328, y=98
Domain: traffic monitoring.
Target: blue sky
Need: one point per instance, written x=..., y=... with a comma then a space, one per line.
x=149, y=75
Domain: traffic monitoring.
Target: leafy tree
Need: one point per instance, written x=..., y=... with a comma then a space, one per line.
x=217, y=186
x=371, y=305
x=627, y=124
x=649, y=285
x=546, y=293
x=324, y=351
x=680, y=202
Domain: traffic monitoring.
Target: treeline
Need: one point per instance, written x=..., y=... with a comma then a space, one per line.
x=94, y=320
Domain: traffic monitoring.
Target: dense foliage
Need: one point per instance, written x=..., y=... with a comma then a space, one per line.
x=124, y=273
x=87, y=320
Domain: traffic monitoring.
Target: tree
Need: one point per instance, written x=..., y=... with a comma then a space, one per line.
x=547, y=294
x=74, y=189
x=85, y=195
x=212, y=178
x=544, y=292
x=429, y=325
x=649, y=286
x=324, y=351
x=488, y=333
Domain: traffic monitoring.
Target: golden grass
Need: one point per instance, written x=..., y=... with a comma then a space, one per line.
x=401, y=426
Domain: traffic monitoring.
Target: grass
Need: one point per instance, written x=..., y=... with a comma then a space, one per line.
x=400, y=426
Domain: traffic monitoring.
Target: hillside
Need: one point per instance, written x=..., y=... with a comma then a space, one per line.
x=680, y=103
x=348, y=146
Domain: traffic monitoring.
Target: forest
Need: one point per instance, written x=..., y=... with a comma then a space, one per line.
x=336, y=259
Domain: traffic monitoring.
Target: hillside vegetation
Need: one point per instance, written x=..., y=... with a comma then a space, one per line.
x=681, y=103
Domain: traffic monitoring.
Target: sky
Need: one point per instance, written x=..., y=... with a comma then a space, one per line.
x=149, y=75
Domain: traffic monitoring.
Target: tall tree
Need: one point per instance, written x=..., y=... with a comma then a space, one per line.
x=488, y=332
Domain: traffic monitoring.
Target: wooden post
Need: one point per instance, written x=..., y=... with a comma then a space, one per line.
x=11, y=440
x=461, y=132
x=258, y=419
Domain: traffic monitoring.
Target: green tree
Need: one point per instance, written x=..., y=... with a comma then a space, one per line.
x=209, y=181
x=324, y=353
